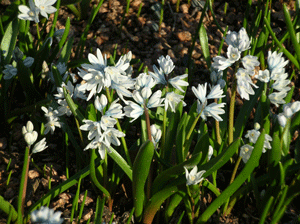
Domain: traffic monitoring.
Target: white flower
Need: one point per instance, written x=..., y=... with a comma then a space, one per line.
x=144, y=80
x=28, y=61
x=244, y=83
x=178, y=81
x=31, y=14
x=45, y=7
x=9, y=72
x=112, y=135
x=233, y=54
x=295, y=106
x=40, y=146
x=115, y=110
x=263, y=76
x=277, y=98
x=210, y=152
x=30, y=135
x=238, y=40
x=106, y=122
x=161, y=74
x=256, y=126
x=252, y=135
x=245, y=152
x=212, y=109
x=94, y=82
x=249, y=62
x=193, y=177
x=281, y=85
x=220, y=63
x=63, y=108
x=100, y=103
x=172, y=99
x=99, y=144
x=60, y=90
x=93, y=127
x=282, y=120
x=276, y=62
x=49, y=112
x=133, y=110
x=46, y=215
x=166, y=64
x=155, y=135
x=52, y=123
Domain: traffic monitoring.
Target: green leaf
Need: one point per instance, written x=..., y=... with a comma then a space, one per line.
x=9, y=40
x=140, y=172
x=290, y=27
x=157, y=199
x=61, y=42
x=7, y=208
x=240, y=179
x=204, y=45
x=121, y=162
x=90, y=112
x=66, y=51
x=274, y=155
x=217, y=162
x=280, y=46
x=73, y=107
x=25, y=77
x=173, y=203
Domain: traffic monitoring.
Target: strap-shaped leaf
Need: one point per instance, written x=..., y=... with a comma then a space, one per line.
x=66, y=51
x=61, y=42
x=140, y=172
x=157, y=199
x=204, y=45
x=274, y=155
x=7, y=208
x=73, y=107
x=240, y=179
x=9, y=40
x=217, y=162
x=121, y=162
x=283, y=49
x=290, y=27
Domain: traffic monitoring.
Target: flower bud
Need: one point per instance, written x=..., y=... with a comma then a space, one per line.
x=281, y=120
x=30, y=137
x=101, y=102
x=256, y=126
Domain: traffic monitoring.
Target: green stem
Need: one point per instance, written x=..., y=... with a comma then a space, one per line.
x=161, y=14
x=148, y=123
x=120, y=129
x=93, y=174
x=38, y=34
x=219, y=140
x=23, y=186
x=231, y=113
x=163, y=137
x=191, y=130
x=235, y=169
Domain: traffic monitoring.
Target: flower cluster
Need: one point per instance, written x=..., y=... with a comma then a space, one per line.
x=31, y=136
x=52, y=118
x=203, y=107
x=99, y=75
x=288, y=111
x=237, y=43
x=277, y=76
x=102, y=133
x=252, y=135
x=46, y=215
x=31, y=13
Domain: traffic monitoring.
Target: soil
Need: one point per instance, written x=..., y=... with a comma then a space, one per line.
x=142, y=36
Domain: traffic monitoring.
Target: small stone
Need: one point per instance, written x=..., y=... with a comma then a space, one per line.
x=184, y=36
x=3, y=143
x=184, y=8
x=33, y=174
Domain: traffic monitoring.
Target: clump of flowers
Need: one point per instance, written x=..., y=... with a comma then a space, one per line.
x=46, y=215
